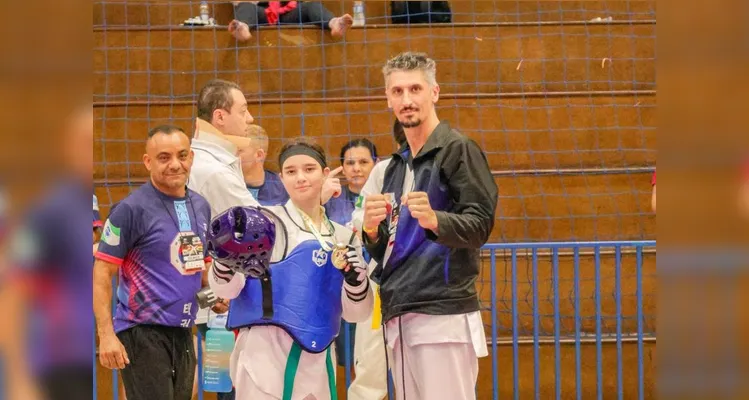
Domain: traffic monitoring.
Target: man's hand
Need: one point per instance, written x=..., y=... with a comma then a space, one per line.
x=331, y=187
x=375, y=211
x=418, y=204
x=112, y=353
x=221, y=306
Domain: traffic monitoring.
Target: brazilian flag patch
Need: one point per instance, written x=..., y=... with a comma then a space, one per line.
x=359, y=202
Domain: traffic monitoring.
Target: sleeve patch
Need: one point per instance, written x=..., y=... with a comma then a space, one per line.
x=111, y=234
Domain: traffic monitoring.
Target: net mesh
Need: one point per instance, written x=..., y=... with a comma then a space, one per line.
x=560, y=96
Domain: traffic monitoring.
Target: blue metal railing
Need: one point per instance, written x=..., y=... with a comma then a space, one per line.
x=516, y=326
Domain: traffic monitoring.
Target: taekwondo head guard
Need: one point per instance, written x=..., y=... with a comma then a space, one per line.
x=247, y=240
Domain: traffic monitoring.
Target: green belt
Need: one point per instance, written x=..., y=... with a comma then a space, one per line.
x=292, y=365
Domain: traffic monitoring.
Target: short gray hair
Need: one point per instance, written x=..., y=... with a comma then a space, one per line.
x=412, y=61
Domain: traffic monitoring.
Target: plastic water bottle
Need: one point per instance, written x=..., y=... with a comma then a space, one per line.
x=359, y=13
x=204, y=12
x=219, y=343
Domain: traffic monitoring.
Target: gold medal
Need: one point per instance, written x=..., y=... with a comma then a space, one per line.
x=339, y=256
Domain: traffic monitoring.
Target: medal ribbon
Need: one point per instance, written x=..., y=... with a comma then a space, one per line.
x=311, y=226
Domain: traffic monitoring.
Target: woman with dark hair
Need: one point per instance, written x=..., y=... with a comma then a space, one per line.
x=358, y=158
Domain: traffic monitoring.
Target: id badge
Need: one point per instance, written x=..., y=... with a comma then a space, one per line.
x=191, y=253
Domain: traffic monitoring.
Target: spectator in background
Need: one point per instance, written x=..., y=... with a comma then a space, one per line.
x=221, y=131
x=265, y=185
x=420, y=12
x=48, y=333
x=250, y=14
x=358, y=158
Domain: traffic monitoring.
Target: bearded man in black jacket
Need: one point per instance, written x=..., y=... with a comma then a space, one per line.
x=425, y=230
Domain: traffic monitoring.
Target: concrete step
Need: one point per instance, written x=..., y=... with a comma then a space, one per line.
x=577, y=207
x=304, y=62
x=547, y=132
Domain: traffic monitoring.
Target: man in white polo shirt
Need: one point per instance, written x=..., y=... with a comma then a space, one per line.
x=220, y=129
x=222, y=121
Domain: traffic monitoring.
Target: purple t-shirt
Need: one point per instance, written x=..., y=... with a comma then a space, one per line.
x=159, y=242
x=53, y=262
x=271, y=192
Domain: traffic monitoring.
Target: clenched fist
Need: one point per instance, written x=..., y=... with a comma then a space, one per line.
x=376, y=209
x=418, y=205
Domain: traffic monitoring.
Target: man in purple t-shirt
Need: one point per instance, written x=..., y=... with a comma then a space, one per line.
x=155, y=241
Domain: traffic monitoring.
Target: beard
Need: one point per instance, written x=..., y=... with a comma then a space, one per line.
x=411, y=123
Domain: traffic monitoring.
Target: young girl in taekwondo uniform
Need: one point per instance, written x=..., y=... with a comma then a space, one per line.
x=289, y=317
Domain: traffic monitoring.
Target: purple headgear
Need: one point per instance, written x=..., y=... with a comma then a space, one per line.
x=242, y=238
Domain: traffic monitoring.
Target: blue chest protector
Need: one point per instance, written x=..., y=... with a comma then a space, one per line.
x=302, y=296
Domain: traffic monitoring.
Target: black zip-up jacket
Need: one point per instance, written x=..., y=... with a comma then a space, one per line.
x=428, y=273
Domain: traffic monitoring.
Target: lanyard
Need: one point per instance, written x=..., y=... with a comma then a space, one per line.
x=311, y=226
x=187, y=200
